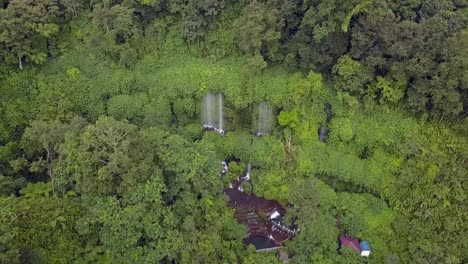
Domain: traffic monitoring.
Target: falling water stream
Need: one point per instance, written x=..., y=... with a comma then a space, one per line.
x=213, y=112
x=247, y=173
x=265, y=119
x=220, y=113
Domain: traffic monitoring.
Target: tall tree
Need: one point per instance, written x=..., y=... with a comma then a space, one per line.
x=26, y=27
x=413, y=52
x=109, y=158
x=197, y=15
x=42, y=144
x=258, y=30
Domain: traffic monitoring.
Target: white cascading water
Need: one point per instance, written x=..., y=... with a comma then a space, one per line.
x=265, y=119
x=212, y=112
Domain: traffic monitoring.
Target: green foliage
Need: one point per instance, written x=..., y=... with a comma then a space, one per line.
x=271, y=85
x=196, y=15
x=73, y=72
x=305, y=89
x=390, y=92
x=257, y=30
x=136, y=216
x=359, y=8
x=324, y=18
x=344, y=129
x=418, y=62
x=27, y=27
x=255, y=64
x=313, y=203
x=6, y=184
x=9, y=232
x=74, y=7
x=272, y=184
x=111, y=158
x=39, y=225
x=437, y=195
x=220, y=42
x=369, y=218
x=127, y=107
x=42, y=143
x=267, y=152
x=350, y=76
x=135, y=179
x=16, y=107
x=35, y=190
x=116, y=27
x=289, y=118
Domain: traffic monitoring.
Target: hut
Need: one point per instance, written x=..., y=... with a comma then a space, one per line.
x=351, y=242
x=361, y=247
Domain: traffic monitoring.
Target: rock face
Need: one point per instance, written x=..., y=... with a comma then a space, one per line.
x=323, y=130
x=323, y=133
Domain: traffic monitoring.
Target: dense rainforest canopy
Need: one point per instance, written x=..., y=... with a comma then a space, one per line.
x=103, y=158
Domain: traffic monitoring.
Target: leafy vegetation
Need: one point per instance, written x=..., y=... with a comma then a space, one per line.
x=103, y=158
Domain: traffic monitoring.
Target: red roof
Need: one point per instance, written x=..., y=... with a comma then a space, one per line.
x=351, y=242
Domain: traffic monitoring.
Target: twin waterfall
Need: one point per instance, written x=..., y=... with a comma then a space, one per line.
x=213, y=115
x=263, y=218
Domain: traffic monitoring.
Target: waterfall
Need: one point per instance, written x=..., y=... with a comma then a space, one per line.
x=247, y=174
x=210, y=104
x=265, y=119
x=212, y=112
x=207, y=111
x=220, y=114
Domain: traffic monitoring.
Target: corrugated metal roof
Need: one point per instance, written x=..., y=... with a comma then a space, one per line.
x=254, y=212
x=351, y=242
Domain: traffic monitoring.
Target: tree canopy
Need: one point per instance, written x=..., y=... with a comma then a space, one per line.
x=103, y=157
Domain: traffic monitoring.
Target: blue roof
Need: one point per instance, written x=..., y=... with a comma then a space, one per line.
x=364, y=245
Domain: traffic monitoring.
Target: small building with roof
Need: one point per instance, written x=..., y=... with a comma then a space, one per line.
x=351, y=242
x=361, y=247
x=262, y=217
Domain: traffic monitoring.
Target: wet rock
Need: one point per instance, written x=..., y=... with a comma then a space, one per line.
x=283, y=256
x=323, y=133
